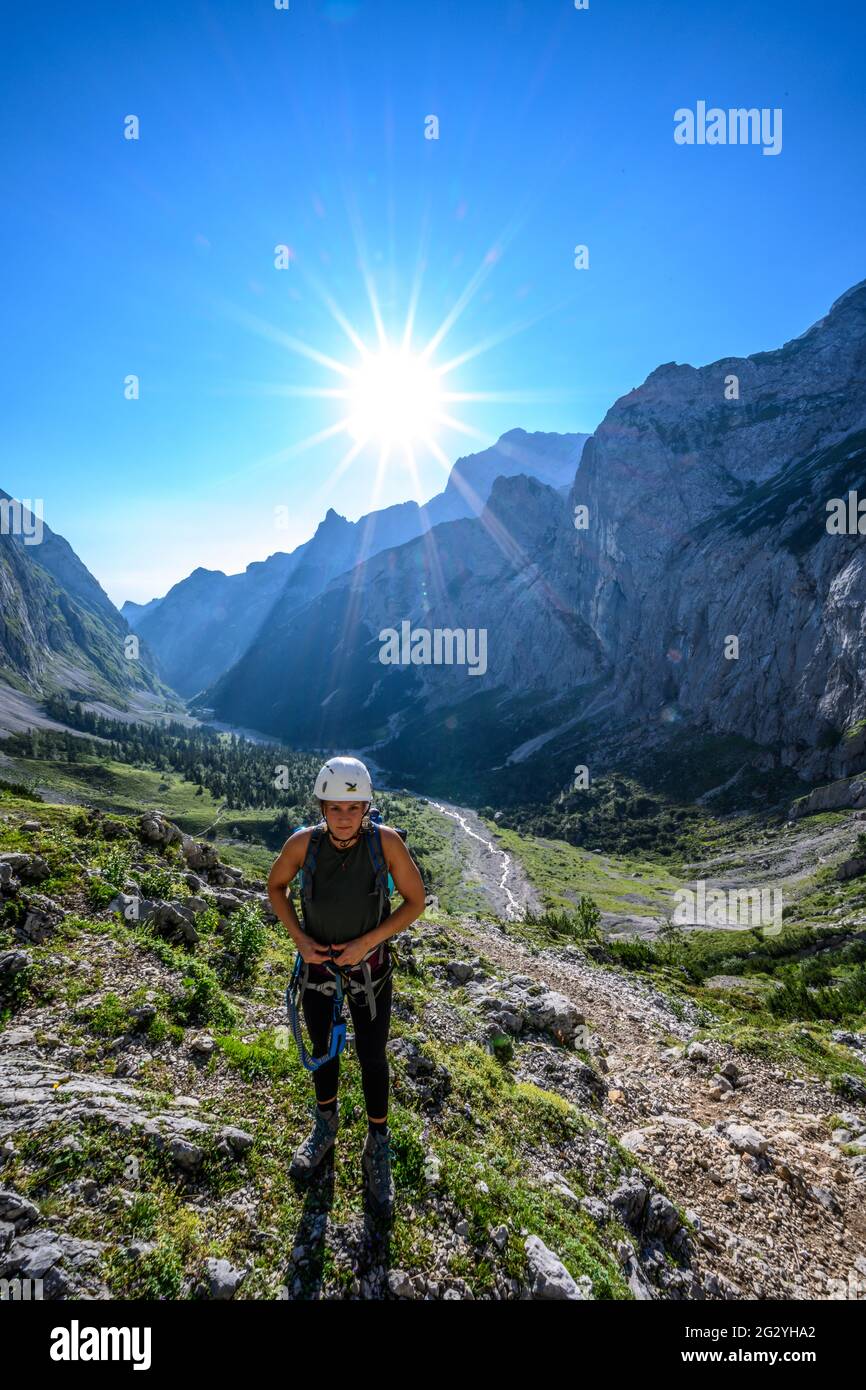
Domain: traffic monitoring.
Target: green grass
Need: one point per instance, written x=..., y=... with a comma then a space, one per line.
x=492, y=1128
x=267, y=1091
x=563, y=873
x=432, y=838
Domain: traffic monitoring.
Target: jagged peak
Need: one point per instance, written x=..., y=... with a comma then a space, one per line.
x=673, y=369
x=134, y=603
x=665, y=369
x=855, y=292
x=849, y=297
x=513, y=488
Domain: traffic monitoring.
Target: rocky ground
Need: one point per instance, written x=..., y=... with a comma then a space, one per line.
x=745, y=1149
x=701, y=1173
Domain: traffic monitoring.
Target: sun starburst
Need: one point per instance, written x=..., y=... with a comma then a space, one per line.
x=391, y=390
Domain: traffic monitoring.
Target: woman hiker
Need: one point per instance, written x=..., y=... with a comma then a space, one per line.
x=342, y=925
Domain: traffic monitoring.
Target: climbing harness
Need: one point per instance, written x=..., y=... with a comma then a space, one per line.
x=355, y=980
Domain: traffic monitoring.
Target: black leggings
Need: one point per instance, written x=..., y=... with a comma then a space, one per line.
x=370, y=1040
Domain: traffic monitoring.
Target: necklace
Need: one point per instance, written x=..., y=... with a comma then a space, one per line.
x=345, y=852
x=344, y=844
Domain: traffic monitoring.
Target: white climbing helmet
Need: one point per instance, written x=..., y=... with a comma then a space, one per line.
x=343, y=779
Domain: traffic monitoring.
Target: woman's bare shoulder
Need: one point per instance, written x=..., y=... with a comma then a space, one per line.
x=391, y=838
x=290, y=858
x=295, y=847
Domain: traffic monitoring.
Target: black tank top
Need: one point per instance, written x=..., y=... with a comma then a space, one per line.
x=345, y=900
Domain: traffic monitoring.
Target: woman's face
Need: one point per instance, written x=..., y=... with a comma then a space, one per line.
x=344, y=817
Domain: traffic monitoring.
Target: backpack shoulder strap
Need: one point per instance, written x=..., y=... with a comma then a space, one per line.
x=308, y=868
x=380, y=868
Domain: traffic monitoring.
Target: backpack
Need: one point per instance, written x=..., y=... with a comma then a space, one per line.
x=376, y=817
x=384, y=881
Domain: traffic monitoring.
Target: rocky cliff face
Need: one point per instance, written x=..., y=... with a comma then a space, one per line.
x=705, y=521
x=317, y=675
x=59, y=631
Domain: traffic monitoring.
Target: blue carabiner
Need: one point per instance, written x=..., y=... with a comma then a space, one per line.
x=338, y=1038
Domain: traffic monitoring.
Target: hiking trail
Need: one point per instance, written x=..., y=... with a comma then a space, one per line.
x=788, y=1222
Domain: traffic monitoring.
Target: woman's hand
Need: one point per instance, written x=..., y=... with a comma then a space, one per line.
x=349, y=953
x=312, y=951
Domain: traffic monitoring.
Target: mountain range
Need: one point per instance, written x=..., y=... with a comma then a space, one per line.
x=687, y=577
x=204, y=624
x=674, y=570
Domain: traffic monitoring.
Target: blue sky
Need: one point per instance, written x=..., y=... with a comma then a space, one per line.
x=260, y=127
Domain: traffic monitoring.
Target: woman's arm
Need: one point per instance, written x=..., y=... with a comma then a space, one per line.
x=409, y=884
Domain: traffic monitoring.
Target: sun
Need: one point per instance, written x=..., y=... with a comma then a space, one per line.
x=393, y=398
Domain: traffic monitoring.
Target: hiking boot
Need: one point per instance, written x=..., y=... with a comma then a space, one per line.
x=376, y=1161
x=310, y=1153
